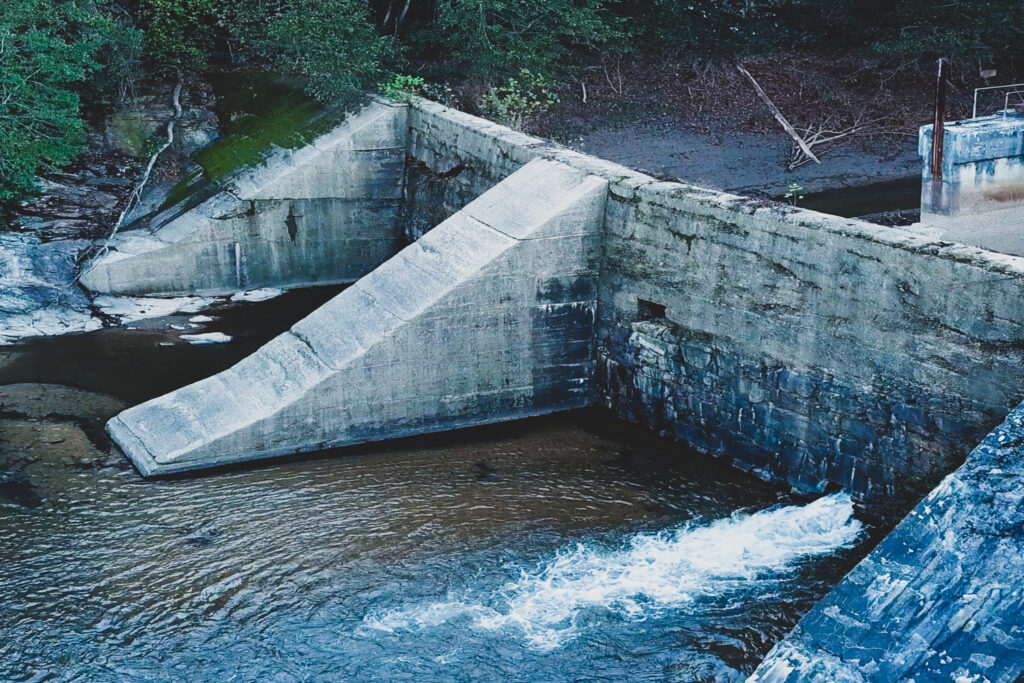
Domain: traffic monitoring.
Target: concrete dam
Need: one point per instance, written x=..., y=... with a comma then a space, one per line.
x=814, y=351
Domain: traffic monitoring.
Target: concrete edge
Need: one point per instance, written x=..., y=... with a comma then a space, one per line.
x=626, y=183
x=149, y=468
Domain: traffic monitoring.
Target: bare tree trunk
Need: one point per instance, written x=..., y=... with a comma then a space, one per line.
x=778, y=115
x=133, y=198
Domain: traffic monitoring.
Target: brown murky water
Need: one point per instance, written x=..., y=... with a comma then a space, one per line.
x=565, y=548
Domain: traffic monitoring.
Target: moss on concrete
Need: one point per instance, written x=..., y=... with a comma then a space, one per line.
x=258, y=112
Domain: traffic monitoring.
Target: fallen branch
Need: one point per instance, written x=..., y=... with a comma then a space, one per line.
x=618, y=90
x=815, y=136
x=136, y=194
x=778, y=115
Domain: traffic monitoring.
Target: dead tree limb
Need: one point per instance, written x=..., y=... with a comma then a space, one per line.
x=136, y=194
x=823, y=134
x=778, y=115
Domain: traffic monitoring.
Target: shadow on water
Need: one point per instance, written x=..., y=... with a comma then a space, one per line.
x=139, y=364
x=864, y=200
x=560, y=548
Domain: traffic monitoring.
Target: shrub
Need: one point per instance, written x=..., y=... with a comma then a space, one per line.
x=495, y=39
x=519, y=100
x=332, y=45
x=179, y=33
x=49, y=51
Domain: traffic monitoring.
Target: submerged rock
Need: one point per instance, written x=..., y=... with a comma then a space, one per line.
x=38, y=401
x=16, y=488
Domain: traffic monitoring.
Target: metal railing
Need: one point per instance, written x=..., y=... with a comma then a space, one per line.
x=1014, y=89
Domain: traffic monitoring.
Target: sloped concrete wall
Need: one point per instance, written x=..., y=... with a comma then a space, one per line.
x=488, y=317
x=940, y=599
x=325, y=213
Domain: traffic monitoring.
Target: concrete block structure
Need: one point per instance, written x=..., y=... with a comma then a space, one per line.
x=488, y=317
x=979, y=198
x=328, y=212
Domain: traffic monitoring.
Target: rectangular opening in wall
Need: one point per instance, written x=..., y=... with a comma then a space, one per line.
x=648, y=310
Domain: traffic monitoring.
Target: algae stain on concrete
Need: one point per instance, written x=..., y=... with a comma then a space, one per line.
x=258, y=112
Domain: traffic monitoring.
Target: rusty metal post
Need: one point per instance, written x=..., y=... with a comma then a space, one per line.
x=939, y=130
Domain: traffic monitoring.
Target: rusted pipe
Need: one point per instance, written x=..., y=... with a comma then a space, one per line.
x=939, y=129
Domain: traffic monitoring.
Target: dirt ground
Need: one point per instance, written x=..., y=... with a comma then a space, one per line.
x=744, y=162
x=702, y=122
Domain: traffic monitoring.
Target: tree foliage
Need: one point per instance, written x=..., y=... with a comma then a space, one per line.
x=331, y=44
x=49, y=51
x=179, y=33
x=498, y=38
x=56, y=53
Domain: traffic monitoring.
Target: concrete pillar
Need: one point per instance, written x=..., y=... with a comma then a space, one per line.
x=488, y=317
x=979, y=200
x=328, y=212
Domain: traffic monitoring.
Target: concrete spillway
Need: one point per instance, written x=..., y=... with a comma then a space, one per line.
x=488, y=317
x=324, y=213
x=808, y=349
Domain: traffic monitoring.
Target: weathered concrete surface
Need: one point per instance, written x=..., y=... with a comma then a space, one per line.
x=809, y=349
x=488, y=317
x=940, y=599
x=979, y=199
x=325, y=213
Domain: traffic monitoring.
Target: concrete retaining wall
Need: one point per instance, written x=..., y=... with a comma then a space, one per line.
x=982, y=167
x=809, y=349
x=325, y=213
x=488, y=317
x=979, y=199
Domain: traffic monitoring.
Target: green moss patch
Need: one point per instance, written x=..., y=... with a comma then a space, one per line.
x=257, y=111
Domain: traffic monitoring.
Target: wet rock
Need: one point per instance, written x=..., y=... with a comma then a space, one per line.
x=129, y=130
x=16, y=488
x=38, y=295
x=72, y=197
x=38, y=401
x=27, y=443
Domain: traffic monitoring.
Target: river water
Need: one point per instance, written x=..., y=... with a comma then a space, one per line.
x=565, y=548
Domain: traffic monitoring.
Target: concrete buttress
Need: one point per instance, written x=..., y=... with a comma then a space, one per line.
x=488, y=317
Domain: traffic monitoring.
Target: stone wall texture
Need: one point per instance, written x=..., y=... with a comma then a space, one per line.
x=940, y=599
x=812, y=350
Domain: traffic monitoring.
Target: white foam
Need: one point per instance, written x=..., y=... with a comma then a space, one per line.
x=257, y=294
x=650, y=573
x=207, y=338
